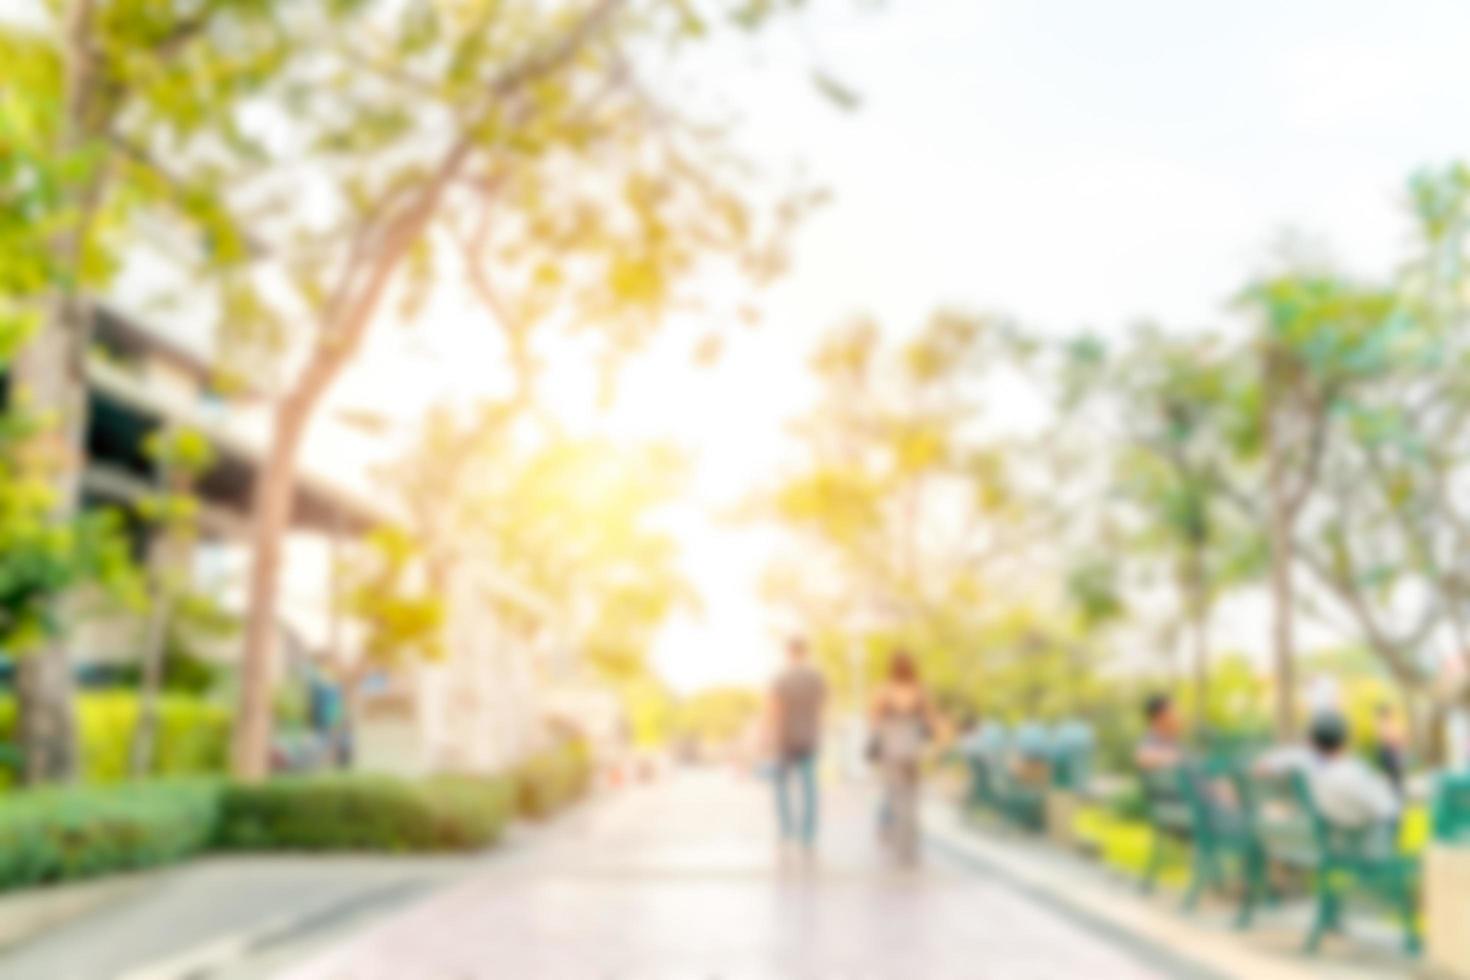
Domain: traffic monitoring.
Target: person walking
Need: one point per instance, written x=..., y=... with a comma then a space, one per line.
x=904, y=723
x=798, y=696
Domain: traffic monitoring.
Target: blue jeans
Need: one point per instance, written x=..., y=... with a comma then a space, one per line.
x=802, y=824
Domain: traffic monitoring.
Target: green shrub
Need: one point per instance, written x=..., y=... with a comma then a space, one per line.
x=62, y=834
x=551, y=780
x=353, y=812
x=1129, y=802
x=193, y=735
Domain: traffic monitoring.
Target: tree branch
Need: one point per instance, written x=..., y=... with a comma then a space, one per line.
x=1296, y=496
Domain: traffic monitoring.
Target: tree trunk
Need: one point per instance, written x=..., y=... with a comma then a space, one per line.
x=1282, y=555
x=274, y=494
x=46, y=721
x=169, y=556
x=50, y=382
x=346, y=324
x=169, y=563
x=150, y=681
x=1200, y=628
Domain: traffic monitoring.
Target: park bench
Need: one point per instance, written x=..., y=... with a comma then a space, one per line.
x=1284, y=840
x=980, y=750
x=1012, y=775
x=1224, y=833
x=1191, y=808
x=994, y=787
x=982, y=791
x=1071, y=751
x=1451, y=808
x=1169, y=816
x=1352, y=862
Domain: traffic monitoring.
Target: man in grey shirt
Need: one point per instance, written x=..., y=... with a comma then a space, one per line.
x=1349, y=792
x=797, y=698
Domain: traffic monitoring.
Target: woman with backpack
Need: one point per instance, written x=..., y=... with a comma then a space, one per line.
x=904, y=722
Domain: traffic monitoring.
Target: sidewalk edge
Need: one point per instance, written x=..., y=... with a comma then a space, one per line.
x=1213, y=951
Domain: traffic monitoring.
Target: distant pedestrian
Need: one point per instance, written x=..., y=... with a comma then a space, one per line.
x=798, y=696
x=904, y=722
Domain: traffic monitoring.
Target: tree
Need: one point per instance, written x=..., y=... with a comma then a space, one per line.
x=906, y=504
x=1389, y=547
x=345, y=153
x=717, y=716
x=1316, y=343
x=513, y=143
x=568, y=522
x=1188, y=408
x=79, y=103
x=388, y=594
x=41, y=560
x=181, y=457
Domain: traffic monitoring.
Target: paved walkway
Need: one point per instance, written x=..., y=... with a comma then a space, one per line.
x=682, y=880
x=187, y=920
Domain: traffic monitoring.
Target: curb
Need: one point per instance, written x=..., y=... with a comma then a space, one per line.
x=236, y=949
x=1181, y=945
x=30, y=913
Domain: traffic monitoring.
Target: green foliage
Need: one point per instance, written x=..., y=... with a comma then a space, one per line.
x=649, y=707
x=551, y=780
x=717, y=716
x=907, y=504
x=1239, y=699
x=402, y=618
x=63, y=834
x=353, y=812
x=568, y=526
x=193, y=735
x=42, y=558
x=182, y=455
x=199, y=624
x=29, y=191
x=182, y=450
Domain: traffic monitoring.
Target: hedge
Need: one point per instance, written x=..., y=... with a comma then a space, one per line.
x=552, y=779
x=64, y=833
x=193, y=735
x=60, y=834
x=351, y=812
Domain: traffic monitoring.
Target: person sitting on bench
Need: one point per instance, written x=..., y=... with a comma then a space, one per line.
x=1162, y=745
x=1349, y=792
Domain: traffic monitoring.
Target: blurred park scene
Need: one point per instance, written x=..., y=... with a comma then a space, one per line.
x=457, y=456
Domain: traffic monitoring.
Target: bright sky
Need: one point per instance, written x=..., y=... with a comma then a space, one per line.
x=1073, y=163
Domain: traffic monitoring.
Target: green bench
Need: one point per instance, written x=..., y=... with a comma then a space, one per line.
x=1273, y=821
x=1451, y=808
x=1271, y=815
x=1353, y=863
x=1059, y=758
x=1170, y=818
x=1189, y=810
x=1226, y=836
x=982, y=792
x=994, y=787
x=1070, y=751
